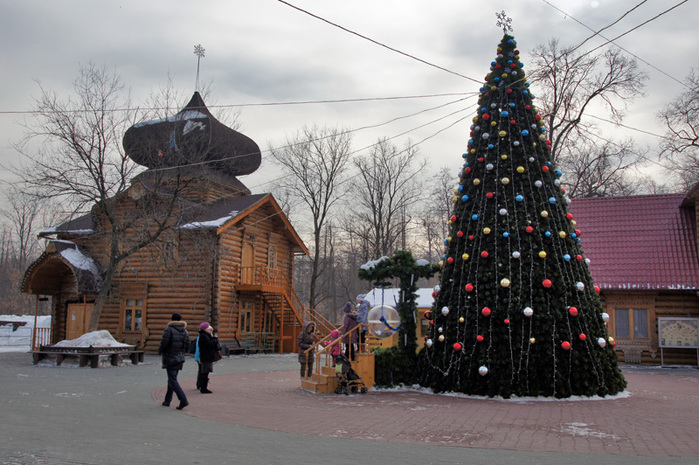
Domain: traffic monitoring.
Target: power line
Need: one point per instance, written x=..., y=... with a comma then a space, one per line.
x=239, y=105
x=608, y=26
x=619, y=46
x=380, y=44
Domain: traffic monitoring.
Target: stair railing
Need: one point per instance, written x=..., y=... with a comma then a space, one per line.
x=322, y=348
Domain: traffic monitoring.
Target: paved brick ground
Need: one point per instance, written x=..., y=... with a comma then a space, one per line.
x=658, y=416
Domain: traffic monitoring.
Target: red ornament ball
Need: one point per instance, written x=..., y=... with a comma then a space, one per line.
x=507, y=321
x=479, y=338
x=573, y=311
x=457, y=346
x=509, y=91
x=485, y=311
x=460, y=234
x=565, y=345
x=470, y=238
x=484, y=254
x=527, y=107
x=453, y=218
x=529, y=229
x=450, y=260
x=545, y=169
x=569, y=216
x=469, y=287
x=547, y=283
x=467, y=170
x=428, y=315
x=582, y=337
x=579, y=257
x=481, y=159
x=537, y=117
x=489, y=195
x=513, y=121
x=486, y=117
x=597, y=290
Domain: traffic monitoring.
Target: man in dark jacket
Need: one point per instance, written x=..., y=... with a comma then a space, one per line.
x=173, y=345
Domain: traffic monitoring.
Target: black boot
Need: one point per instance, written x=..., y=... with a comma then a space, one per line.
x=204, y=385
x=200, y=381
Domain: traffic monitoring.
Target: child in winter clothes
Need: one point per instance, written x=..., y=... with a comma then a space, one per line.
x=335, y=350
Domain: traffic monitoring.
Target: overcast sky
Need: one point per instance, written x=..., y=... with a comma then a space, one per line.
x=264, y=51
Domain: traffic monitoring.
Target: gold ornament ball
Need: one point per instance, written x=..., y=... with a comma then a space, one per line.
x=542, y=254
x=503, y=156
x=486, y=231
x=532, y=340
x=441, y=338
x=502, y=133
x=454, y=199
x=520, y=169
x=544, y=214
x=476, y=182
x=441, y=263
x=504, y=282
x=493, y=123
x=505, y=181
x=461, y=320
x=562, y=234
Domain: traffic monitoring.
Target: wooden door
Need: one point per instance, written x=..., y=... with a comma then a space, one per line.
x=247, y=271
x=78, y=320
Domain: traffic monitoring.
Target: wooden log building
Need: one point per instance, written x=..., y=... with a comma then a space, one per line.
x=228, y=260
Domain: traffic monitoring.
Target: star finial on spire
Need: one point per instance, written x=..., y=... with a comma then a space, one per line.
x=504, y=22
x=199, y=51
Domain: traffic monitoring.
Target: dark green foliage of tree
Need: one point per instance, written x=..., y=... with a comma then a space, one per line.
x=513, y=246
x=398, y=365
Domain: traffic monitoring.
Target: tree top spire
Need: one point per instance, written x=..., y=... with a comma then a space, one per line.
x=504, y=22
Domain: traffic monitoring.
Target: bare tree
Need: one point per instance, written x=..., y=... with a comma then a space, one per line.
x=80, y=161
x=681, y=145
x=385, y=196
x=314, y=165
x=436, y=209
x=570, y=85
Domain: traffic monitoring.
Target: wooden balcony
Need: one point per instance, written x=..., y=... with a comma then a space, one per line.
x=261, y=279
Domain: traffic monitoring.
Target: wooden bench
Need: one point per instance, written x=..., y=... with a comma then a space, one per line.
x=259, y=342
x=89, y=354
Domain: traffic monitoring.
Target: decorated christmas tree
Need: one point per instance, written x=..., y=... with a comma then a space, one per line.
x=516, y=312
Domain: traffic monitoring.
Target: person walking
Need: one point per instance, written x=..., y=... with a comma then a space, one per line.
x=207, y=348
x=173, y=345
x=306, y=340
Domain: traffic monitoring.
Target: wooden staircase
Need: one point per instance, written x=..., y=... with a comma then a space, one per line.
x=324, y=377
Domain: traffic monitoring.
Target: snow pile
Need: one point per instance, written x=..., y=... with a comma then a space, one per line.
x=95, y=339
x=210, y=224
x=372, y=263
x=15, y=338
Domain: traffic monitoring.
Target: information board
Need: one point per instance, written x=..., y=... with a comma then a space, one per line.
x=678, y=333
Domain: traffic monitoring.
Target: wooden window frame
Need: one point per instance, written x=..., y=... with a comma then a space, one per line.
x=631, y=309
x=133, y=293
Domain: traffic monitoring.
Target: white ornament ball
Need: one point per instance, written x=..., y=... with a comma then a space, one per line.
x=528, y=311
x=485, y=135
x=531, y=159
x=605, y=317
x=440, y=329
x=483, y=370
x=602, y=342
x=445, y=311
x=557, y=182
x=489, y=166
x=538, y=183
x=429, y=343
x=516, y=254
x=587, y=261
x=580, y=286
x=503, y=211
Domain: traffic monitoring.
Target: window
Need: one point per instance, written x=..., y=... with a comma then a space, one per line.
x=631, y=323
x=133, y=315
x=272, y=257
x=245, y=319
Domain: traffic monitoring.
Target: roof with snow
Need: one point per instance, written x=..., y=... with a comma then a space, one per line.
x=639, y=242
x=192, y=137
x=44, y=275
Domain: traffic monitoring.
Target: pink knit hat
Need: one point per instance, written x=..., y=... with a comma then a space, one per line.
x=203, y=326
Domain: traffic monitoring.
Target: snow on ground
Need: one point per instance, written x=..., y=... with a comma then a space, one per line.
x=19, y=340
x=101, y=338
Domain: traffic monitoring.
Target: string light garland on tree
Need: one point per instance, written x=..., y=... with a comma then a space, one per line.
x=524, y=317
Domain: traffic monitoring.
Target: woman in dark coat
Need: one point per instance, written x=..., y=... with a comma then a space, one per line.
x=348, y=325
x=208, y=349
x=306, y=340
x=173, y=345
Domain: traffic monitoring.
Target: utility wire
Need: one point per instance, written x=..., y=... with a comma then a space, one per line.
x=380, y=44
x=608, y=26
x=619, y=46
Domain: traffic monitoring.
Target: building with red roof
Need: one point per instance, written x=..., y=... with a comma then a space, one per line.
x=643, y=253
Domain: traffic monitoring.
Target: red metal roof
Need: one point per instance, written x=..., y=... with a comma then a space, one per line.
x=639, y=242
